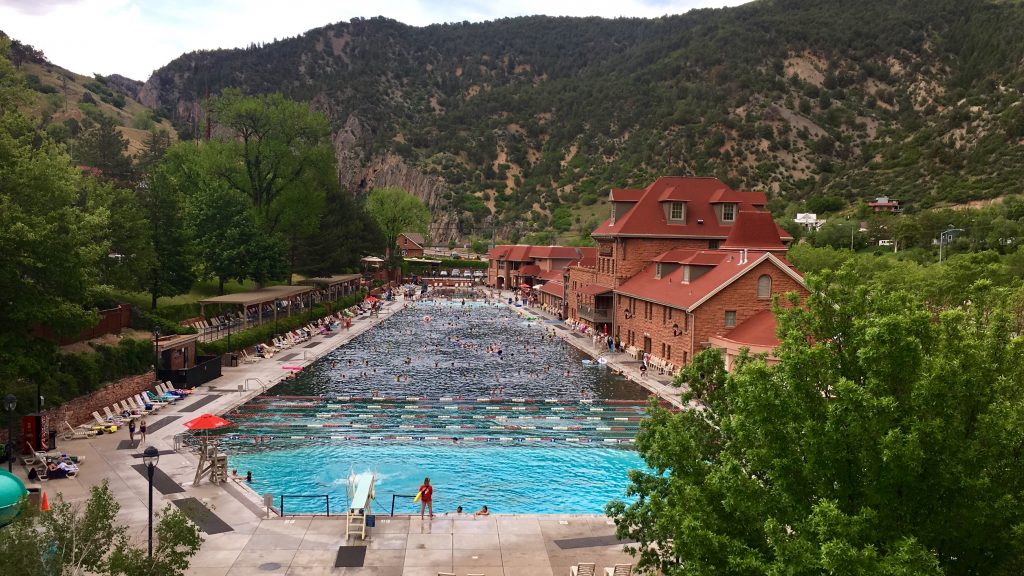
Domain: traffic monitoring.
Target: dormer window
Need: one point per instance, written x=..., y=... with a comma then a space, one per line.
x=676, y=211
x=728, y=212
x=657, y=271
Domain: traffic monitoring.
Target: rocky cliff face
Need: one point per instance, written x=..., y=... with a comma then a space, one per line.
x=391, y=170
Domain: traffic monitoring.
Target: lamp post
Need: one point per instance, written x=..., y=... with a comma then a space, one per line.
x=10, y=403
x=947, y=236
x=150, y=457
x=156, y=353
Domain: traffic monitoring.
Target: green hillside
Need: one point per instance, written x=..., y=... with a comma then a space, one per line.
x=522, y=124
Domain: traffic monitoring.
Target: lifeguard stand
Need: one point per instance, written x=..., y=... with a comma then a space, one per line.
x=360, y=493
x=211, y=463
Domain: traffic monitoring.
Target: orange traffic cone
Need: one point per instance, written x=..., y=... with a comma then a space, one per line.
x=45, y=506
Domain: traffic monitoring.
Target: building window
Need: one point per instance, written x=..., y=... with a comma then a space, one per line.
x=668, y=352
x=675, y=211
x=730, y=318
x=764, y=286
x=714, y=244
x=728, y=212
x=657, y=271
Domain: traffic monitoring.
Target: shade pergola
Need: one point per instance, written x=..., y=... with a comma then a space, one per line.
x=336, y=284
x=269, y=295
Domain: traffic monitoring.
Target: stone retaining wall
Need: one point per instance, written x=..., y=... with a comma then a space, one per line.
x=79, y=410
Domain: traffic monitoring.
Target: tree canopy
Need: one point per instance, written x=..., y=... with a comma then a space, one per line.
x=396, y=211
x=886, y=441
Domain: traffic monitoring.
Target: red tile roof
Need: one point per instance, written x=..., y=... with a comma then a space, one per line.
x=593, y=289
x=691, y=256
x=754, y=231
x=756, y=331
x=529, y=270
x=672, y=291
x=554, y=288
x=527, y=252
x=647, y=217
x=625, y=194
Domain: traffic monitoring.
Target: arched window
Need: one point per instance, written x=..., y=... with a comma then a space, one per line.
x=764, y=286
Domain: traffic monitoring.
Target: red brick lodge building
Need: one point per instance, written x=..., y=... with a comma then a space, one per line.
x=682, y=265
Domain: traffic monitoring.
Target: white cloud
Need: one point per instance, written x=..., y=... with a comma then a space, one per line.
x=134, y=37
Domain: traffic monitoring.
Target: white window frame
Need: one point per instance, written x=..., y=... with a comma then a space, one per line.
x=728, y=314
x=672, y=210
x=761, y=293
x=730, y=217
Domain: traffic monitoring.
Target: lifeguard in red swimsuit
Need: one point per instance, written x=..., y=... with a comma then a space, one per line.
x=426, y=495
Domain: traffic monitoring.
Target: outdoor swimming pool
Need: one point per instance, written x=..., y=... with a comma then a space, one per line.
x=530, y=430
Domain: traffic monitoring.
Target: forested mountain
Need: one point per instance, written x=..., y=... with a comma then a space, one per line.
x=522, y=124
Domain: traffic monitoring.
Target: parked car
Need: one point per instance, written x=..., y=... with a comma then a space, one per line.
x=456, y=256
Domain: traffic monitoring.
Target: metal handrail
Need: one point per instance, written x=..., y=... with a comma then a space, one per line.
x=258, y=381
x=326, y=497
x=393, y=496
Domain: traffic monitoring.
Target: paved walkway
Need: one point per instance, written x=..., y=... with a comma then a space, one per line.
x=496, y=545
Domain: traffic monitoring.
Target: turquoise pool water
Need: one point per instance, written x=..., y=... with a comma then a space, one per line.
x=532, y=430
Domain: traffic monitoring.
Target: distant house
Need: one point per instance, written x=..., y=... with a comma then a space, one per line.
x=809, y=221
x=885, y=204
x=410, y=244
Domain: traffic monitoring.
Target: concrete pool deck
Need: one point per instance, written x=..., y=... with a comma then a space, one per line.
x=255, y=544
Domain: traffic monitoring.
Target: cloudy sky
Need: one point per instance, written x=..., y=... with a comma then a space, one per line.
x=134, y=37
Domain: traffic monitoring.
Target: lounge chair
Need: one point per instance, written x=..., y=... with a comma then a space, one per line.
x=163, y=397
x=247, y=358
x=79, y=433
x=111, y=416
x=128, y=408
x=100, y=421
x=583, y=569
x=145, y=403
x=619, y=570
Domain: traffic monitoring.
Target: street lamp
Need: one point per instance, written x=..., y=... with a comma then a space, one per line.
x=945, y=237
x=156, y=353
x=150, y=457
x=10, y=403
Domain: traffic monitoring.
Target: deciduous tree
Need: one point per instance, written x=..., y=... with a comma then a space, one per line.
x=396, y=211
x=885, y=442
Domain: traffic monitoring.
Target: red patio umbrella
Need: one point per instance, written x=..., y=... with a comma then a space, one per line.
x=206, y=422
x=371, y=299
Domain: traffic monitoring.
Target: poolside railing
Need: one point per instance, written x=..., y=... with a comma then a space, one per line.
x=393, y=496
x=326, y=498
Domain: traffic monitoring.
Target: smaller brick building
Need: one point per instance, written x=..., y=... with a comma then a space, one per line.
x=511, y=266
x=410, y=244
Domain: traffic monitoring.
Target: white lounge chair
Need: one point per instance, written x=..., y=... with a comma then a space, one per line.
x=583, y=569
x=111, y=416
x=79, y=433
x=143, y=399
x=619, y=570
x=102, y=422
x=126, y=407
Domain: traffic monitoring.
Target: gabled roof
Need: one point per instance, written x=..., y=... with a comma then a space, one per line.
x=754, y=231
x=671, y=290
x=647, y=216
x=414, y=237
x=529, y=270
x=758, y=331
